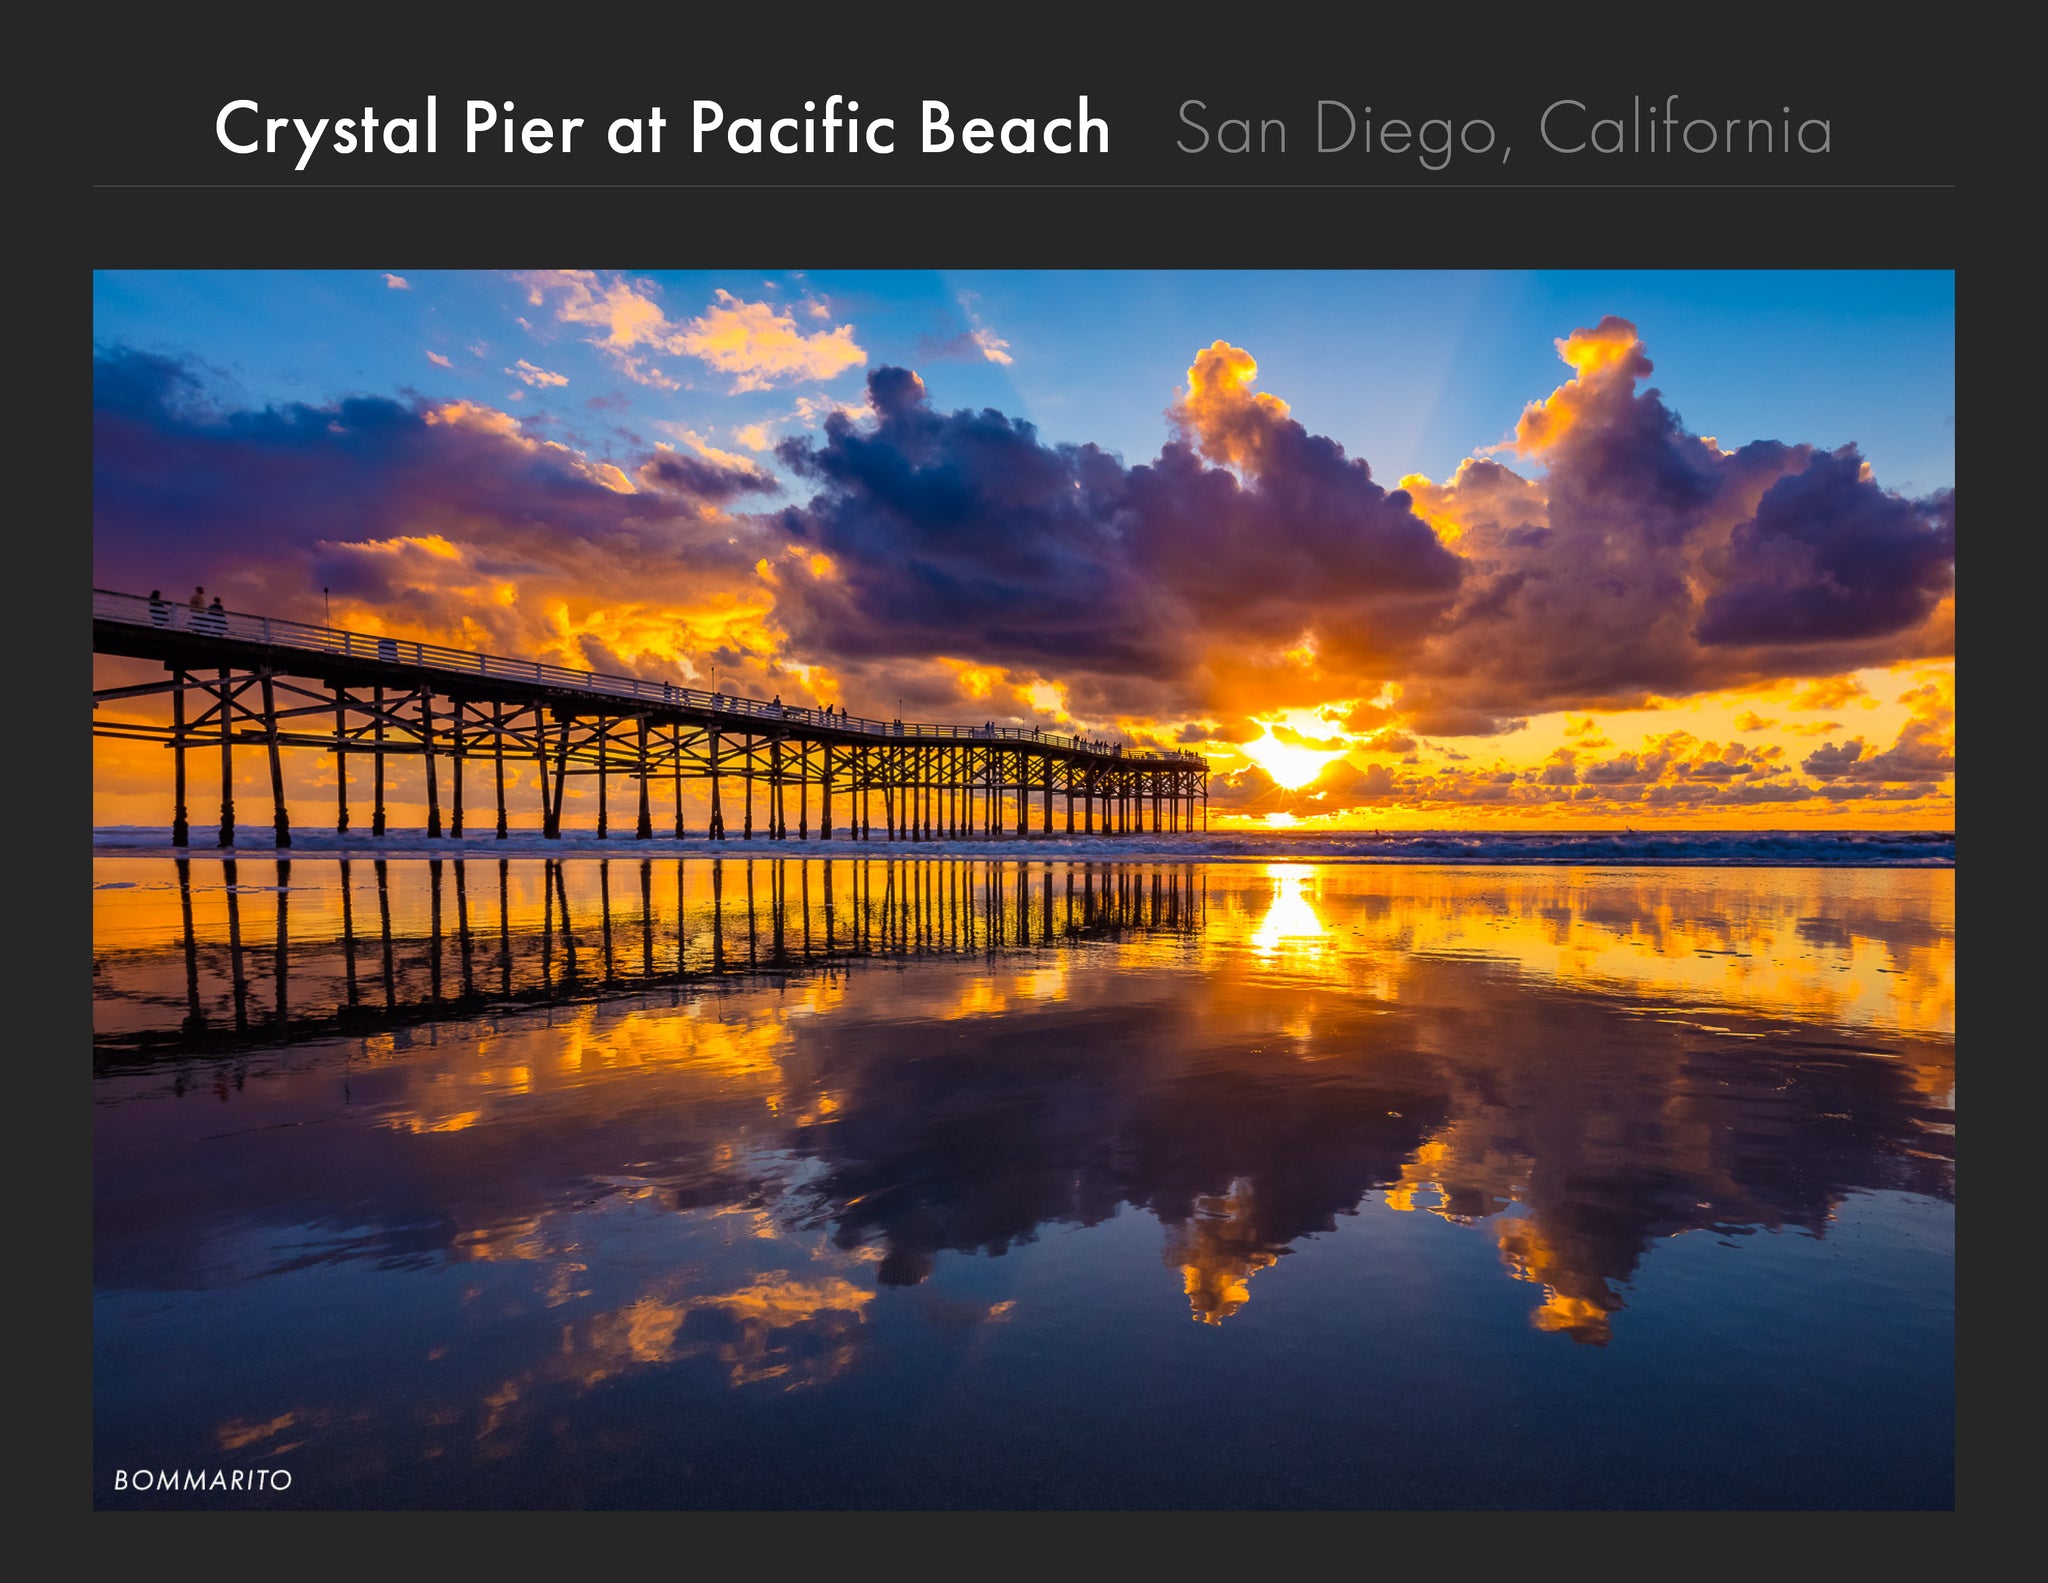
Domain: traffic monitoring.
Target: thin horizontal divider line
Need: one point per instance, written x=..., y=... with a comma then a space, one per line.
x=1022, y=186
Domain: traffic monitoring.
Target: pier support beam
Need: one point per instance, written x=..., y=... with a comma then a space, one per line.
x=455, y=770
x=715, y=829
x=340, y=762
x=227, y=765
x=676, y=765
x=644, y=829
x=498, y=764
x=181, y=827
x=377, y=761
x=553, y=829
x=540, y=758
x=281, y=823
x=427, y=752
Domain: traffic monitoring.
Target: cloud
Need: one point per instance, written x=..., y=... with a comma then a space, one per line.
x=438, y=360
x=757, y=343
x=625, y=311
x=530, y=374
x=397, y=283
x=449, y=522
x=762, y=346
x=811, y=411
x=1647, y=563
x=713, y=479
x=1253, y=563
x=976, y=343
x=1831, y=692
x=1251, y=571
x=730, y=460
x=972, y=345
x=1829, y=556
x=993, y=347
x=1923, y=751
x=964, y=532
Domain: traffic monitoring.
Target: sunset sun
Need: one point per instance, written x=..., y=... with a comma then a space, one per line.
x=1291, y=765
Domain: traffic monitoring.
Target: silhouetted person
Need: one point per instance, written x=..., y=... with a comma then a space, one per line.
x=214, y=618
x=159, y=612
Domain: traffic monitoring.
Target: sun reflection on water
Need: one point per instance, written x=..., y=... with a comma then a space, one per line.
x=682, y=1171
x=1290, y=923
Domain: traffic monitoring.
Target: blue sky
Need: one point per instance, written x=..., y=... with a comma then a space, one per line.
x=1412, y=370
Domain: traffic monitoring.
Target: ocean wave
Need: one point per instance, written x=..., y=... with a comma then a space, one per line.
x=1605, y=848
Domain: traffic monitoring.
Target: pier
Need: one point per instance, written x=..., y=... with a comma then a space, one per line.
x=772, y=771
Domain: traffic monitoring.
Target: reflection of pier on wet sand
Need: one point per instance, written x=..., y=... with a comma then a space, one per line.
x=335, y=957
x=763, y=1162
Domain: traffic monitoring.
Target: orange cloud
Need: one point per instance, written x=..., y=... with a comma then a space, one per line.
x=761, y=346
x=1228, y=420
x=1832, y=692
x=1608, y=356
x=757, y=343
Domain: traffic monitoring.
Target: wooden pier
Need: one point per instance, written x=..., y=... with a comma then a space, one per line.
x=272, y=686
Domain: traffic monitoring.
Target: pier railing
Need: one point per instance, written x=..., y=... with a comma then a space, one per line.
x=302, y=637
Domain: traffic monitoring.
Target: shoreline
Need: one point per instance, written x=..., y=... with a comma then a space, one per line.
x=1586, y=849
